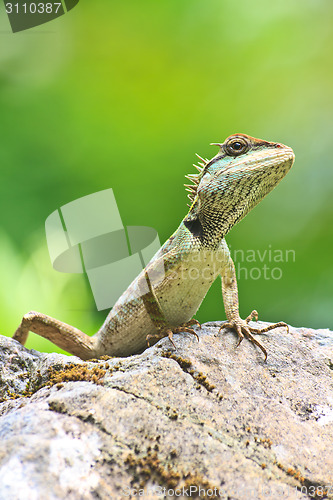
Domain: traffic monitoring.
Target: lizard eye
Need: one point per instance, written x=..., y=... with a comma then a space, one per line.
x=236, y=146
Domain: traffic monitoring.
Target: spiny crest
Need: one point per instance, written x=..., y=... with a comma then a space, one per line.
x=195, y=179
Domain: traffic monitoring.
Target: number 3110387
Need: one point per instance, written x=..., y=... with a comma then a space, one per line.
x=33, y=8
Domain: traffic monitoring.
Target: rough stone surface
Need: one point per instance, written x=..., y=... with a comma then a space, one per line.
x=206, y=416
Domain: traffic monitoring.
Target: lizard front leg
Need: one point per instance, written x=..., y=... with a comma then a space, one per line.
x=231, y=306
x=64, y=336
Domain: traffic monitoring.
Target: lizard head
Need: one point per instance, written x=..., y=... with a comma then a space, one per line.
x=234, y=181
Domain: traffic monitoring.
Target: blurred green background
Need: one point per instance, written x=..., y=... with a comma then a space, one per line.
x=121, y=95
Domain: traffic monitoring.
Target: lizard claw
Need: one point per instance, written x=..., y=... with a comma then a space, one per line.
x=168, y=331
x=192, y=322
x=148, y=337
x=253, y=315
x=243, y=329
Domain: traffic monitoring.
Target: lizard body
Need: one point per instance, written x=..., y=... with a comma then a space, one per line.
x=168, y=292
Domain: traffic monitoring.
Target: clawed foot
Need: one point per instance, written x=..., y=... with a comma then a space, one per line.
x=243, y=329
x=168, y=331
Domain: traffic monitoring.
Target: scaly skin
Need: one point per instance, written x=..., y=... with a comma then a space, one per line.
x=164, y=297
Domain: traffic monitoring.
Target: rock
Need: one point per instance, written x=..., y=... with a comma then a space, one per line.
x=205, y=417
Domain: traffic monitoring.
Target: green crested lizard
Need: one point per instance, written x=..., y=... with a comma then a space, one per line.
x=167, y=293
